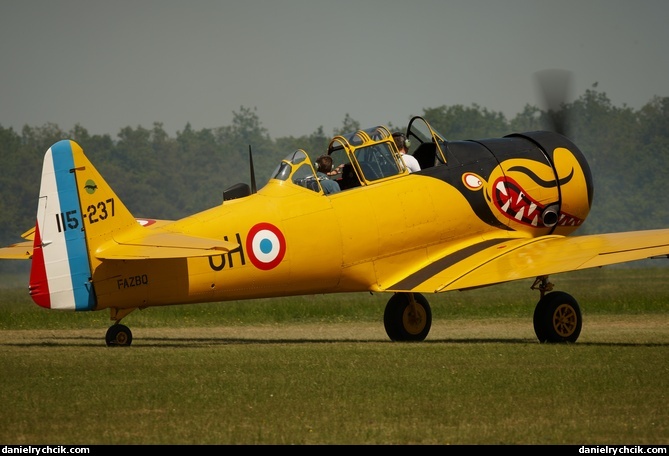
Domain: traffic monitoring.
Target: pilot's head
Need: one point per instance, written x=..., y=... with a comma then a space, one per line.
x=401, y=141
x=324, y=164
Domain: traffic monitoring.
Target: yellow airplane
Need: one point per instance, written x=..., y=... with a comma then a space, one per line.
x=479, y=212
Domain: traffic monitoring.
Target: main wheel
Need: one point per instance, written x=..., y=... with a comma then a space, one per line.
x=557, y=318
x=118, y=335
x=405, y=321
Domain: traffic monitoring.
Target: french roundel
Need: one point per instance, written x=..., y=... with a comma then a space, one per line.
x=266, y=246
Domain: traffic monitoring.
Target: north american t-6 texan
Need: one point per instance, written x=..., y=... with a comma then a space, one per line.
x=478, y=213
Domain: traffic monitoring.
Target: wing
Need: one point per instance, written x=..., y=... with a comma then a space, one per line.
x=502, y=260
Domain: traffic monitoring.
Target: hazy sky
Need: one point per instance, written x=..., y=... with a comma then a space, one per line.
x=307, y=63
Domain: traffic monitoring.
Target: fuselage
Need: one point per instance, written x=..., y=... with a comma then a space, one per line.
x=295, y=241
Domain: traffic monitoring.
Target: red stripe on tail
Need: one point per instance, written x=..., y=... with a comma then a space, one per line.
x=39, y=286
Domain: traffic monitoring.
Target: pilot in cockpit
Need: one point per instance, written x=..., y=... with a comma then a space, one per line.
x=402, y=143
x=323, y=168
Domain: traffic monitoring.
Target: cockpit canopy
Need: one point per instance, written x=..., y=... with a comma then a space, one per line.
x=366, y=156
x=361, y=158
x=297, y=167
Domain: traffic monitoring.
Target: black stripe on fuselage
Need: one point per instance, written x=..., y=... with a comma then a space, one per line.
x=438, y=266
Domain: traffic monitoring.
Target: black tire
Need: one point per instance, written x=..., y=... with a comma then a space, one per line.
x=402, y=323
x=118, y=335
x=557, y=318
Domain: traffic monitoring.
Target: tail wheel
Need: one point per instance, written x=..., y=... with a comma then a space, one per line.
x=557, y=318
x=118, y=335
x=407, y=318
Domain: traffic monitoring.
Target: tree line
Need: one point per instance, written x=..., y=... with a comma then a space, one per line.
x=166, y=177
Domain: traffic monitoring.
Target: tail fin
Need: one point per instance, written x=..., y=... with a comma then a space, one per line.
x=77, y=212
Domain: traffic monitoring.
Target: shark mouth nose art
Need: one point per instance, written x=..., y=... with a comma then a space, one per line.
x=512, y=201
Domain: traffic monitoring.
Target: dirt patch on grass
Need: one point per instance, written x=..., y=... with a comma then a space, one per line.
x=635, y=329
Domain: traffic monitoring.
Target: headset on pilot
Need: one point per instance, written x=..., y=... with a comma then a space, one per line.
x=403, y=144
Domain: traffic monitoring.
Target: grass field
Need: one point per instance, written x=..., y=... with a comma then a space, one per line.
x=320, y=370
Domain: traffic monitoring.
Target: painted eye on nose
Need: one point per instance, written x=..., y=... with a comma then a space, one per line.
x=472, y=181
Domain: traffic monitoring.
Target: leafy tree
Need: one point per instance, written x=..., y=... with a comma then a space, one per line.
x=530, y=119
x=19, y=184
x=169, y=177
x=247, y=131
x=199, y=168
x=458, y=122
x=315, y=144
x=653, y=119
x=606, y=136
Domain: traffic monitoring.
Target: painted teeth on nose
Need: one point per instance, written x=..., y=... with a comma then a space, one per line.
x=502, y=188
x=505, y=208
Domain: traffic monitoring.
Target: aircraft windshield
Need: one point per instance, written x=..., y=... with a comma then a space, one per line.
x=282, y=172
x=296, y=167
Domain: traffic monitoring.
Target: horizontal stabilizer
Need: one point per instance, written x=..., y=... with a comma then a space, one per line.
x=163, y=245
x=18, y=251
x=29, y=235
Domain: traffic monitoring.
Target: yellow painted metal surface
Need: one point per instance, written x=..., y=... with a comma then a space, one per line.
x=441, y=230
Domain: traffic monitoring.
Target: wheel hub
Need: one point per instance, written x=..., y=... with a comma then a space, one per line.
x=564, y=320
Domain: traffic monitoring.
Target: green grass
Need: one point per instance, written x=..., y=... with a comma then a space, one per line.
x=600, y=291
x=320, y=370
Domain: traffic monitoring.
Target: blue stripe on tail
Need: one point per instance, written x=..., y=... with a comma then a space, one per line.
x=72, y=224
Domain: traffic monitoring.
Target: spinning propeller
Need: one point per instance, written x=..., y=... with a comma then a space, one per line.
x=554, y=88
